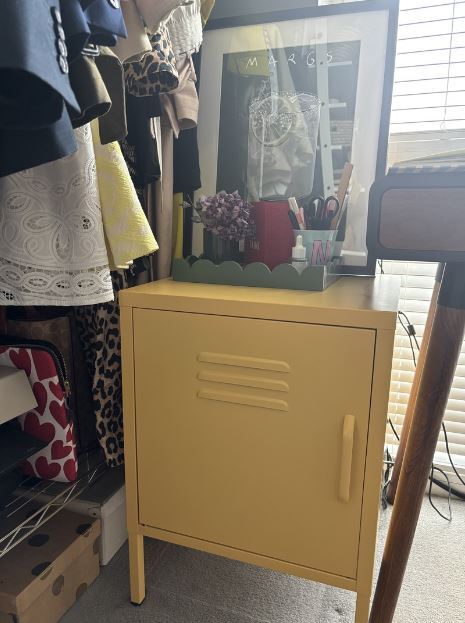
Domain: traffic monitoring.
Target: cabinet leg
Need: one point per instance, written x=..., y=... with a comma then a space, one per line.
x=363, y=608
x=136, y=568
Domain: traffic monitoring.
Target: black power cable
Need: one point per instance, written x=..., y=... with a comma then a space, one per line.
x=409, y=328
x=386, y=481
x=411, y=333
x=439, y=483
x=430, y=497
x=455, y=492
x=450, y=457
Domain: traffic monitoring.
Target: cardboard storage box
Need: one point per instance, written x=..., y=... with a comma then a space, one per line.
x=42, y=577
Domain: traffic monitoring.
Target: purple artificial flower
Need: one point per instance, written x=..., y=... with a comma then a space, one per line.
x=227, y=215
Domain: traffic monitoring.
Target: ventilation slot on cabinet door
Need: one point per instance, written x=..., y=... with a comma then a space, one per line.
x=243, y=381
x=273, y=388
x=245, y=362
x=244, y=399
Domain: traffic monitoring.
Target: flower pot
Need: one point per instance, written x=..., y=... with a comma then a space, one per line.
x=218, y=250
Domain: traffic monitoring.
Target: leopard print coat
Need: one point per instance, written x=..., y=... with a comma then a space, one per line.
x=99, y=330
x=156, y=72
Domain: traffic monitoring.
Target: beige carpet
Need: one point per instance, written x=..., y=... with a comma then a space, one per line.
x=185, y=586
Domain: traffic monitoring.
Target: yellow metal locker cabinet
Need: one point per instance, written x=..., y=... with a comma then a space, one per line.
x=254, y=424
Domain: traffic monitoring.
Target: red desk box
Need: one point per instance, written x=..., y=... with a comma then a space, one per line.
x=274, y=237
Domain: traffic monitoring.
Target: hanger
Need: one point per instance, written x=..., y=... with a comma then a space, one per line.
x=91, y=49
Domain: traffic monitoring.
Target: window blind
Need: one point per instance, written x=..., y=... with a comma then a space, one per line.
x=429, y=90
x=417, y=282
x=428, y=116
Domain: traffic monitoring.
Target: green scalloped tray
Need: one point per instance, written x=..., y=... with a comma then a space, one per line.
x=256, y=275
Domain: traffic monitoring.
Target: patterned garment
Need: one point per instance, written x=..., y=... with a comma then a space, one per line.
x=52, y=247
x=127, y=231
x=156, y=72
x=185, y=28
x=98, y=326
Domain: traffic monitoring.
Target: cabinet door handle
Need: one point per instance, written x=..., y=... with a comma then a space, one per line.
x=346, y=458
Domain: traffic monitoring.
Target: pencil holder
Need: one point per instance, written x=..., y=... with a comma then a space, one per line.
x=320, y=245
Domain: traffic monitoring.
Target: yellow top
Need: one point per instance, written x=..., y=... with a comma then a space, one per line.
x=352, y=301
x=127, y=230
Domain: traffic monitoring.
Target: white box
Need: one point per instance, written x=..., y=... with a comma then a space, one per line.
x=106, y=500
x=16, y=395
x=112, y=514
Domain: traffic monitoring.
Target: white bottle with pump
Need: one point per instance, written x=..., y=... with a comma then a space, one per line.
x=299, y=256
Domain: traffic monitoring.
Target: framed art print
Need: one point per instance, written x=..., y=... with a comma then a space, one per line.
x=287, y=98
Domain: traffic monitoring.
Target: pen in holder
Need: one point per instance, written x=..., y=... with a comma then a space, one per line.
x=320, y=245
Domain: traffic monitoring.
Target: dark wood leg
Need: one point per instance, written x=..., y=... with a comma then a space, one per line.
x=392, y=488
x=438, y=373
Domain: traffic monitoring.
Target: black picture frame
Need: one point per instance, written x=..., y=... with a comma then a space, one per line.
x=392, y=8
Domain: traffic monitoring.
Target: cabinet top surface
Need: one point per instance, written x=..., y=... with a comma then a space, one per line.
x=351, y=301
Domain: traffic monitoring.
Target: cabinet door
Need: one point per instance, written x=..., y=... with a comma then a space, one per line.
x=240, y=433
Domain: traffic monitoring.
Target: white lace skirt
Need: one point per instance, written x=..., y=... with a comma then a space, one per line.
x=52, y=246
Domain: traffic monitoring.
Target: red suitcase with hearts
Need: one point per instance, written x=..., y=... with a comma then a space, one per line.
x=50, y=421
